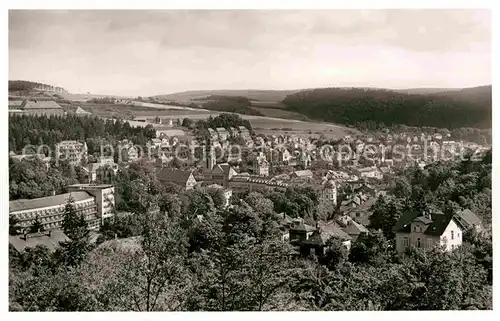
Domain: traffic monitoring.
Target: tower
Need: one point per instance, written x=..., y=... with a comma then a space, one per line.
x=209, y=155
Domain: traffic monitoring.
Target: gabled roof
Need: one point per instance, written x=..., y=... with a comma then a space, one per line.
x=303, y=173
x=80, y=111
x=467, y=218
x=354, y=228
x=423, y=219
x=302, y=227
x=173, y=175
x=436, y=227
x=325, y=232
x=42, y=104
x=61, y=199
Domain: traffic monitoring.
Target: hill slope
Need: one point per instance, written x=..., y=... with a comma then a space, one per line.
x=470, y=107
x=260, y=95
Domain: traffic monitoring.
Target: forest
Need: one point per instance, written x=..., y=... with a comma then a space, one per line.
x=43, y=130
x=373, y=109
x=23, y=85
x=165, y=256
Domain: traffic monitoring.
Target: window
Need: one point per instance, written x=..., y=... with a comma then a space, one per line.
x=406, y=242
x=418, y=242
x=452, y=235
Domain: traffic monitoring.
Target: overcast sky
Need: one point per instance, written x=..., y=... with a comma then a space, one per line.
x=158, y=52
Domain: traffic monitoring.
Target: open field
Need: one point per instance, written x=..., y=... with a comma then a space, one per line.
x=261, y=124
x=279, y=113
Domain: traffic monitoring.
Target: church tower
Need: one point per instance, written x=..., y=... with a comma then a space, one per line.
x=209, y=163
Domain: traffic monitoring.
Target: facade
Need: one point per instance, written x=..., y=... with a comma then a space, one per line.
x=128, y=153
x=222, y=133
x=428, y=230
x=71, y=150
x=214, y=173
x=50, y=210
x=243, y=183
x=104, y=195
x=328, y=193
x=369, y=172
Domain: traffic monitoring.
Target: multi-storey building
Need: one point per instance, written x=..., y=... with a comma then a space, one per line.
x=104, y=195
x=71, y=150
x=50, y=210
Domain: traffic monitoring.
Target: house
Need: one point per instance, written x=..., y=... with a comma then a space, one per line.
x=182, y=178
x=351, y=227
x=315, y=244
x=303, y=174
x=80, y=112
x=428, y=230
x=300, y=232
x=362, y=212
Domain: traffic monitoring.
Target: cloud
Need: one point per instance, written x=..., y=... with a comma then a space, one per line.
x=110, y=50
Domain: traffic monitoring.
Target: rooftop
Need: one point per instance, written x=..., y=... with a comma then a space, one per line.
x=96, y=186
x=61, y=199
x=42, y=104
x=173, y=175
x=51, y=242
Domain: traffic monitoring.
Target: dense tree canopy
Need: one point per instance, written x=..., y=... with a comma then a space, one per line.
x=371, y=108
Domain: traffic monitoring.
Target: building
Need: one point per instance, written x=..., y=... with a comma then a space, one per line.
x=351, y=227
x=369, y=172
x=50, y=210
x=214, y=173
x=104, y=195
x=141, y=119
x=43, y=108
x=247, y=183
x=222, y=133
x=128, y=152
x=428, y=230
x=328, y=193
x=80, y=112
x=182, y=178
x=50, y=239
x=300, y=232
x=303, y=174
x=71, y=150
x=317, y=241
x=261, y=166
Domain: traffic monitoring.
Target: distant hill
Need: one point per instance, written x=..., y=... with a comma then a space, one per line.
x=26, y=86
x=259, y=95
x=372, y=108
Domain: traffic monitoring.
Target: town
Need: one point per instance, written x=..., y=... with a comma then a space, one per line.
x=133, y=187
